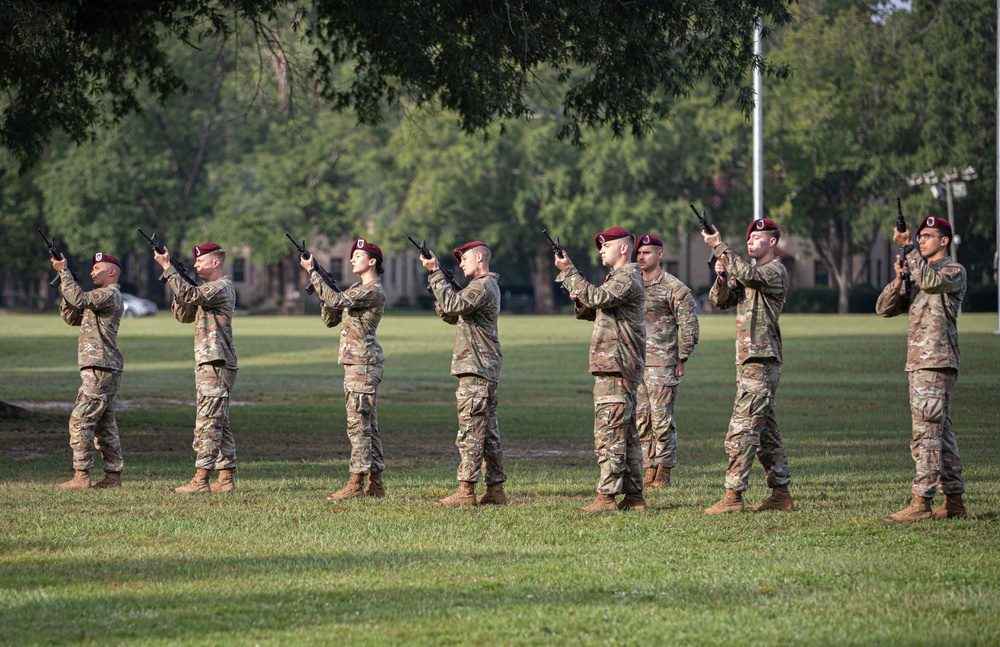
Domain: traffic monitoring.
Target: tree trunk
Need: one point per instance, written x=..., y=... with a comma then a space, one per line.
x=542, y=281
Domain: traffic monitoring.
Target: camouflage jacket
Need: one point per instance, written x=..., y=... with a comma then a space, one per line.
x=98, y=313
x=616, y=308
x=671, y=320
x=938, y=289
x=360, y=308
x=210, y=306
x=474, y=310
x=758, y=305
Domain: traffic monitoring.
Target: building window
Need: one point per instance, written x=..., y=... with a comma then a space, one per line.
x=239, y=270
x=820, y=274
x=337, y=268
x=673, y=267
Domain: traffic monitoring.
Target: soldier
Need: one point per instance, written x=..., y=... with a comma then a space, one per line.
x=98, y=313
x=476, y=363
x=758, y=291
x=210, y=307
x=360, y=308
x=932, y=362
x=617, y=349
x=671, y=335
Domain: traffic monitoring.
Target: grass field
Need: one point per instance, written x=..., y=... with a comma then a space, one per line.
x=273, y=563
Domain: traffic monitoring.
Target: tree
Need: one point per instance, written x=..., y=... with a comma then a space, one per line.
x=943, y=115
x=76, y=65
x=824, y=125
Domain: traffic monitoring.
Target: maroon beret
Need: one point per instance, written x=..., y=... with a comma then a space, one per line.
x=104, y=258
x=371, y=248
x=204, y=248
x=613, y=233
x=458, y=251
x=933, y=222
x=650, y=239
x=764, y=224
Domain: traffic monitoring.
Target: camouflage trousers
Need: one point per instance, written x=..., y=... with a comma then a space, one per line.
x=214, y=445
x=93, y=420
x=934, y=447
x=753, y=429
x=478, y=438
x=360, y=394
x=616, y=439
x=654, y=416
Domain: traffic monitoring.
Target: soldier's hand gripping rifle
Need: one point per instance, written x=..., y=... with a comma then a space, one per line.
x=558, y=250
x=709, y=229
x=56, y=256
x=907, y=286
x=322, y=271
x=449, y=276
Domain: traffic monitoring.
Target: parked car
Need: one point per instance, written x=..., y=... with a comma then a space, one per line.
x=136, y=307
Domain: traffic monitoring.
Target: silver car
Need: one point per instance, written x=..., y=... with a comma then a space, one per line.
x=136, y=307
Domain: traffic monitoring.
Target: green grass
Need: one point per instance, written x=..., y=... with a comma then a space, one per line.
x=273, y=563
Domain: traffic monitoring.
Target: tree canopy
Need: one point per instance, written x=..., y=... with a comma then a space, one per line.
x=77, y=65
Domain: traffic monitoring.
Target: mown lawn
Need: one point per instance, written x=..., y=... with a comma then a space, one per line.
x=273, y=563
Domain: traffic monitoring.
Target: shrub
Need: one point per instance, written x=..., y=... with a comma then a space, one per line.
x=815, y=300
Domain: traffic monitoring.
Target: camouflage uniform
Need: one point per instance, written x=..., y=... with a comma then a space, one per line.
x=932, y=361
x=210, y=307
x=476, y=363
x=360, y=308
x=671, y=334
x=758, y=292
x=617, y=351
x=98, y=313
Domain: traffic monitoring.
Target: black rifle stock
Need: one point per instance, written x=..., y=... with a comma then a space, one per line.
x=322, y=271
x=901, y=254
x=56, y=256
x=449, y=276
x=158, y=247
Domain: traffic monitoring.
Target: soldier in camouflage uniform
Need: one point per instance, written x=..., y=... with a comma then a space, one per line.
x=617, y=349
x=758, y=291
x=98, y=313
x=476, y=363
x=931, y=302
x=360, y=308
x=671, y=335
x=210, y=307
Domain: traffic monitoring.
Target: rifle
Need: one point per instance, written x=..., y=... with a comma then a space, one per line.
x=904, y=291
x=558, y=250
x=322, y=271
x=706, y=226
x=449, y=276
x=158, y=247
x=56, y=256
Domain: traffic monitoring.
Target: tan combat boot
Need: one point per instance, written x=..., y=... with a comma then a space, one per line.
x=465, y=495
x=649, y=476
x=80, y=481
x=198, y=485
x=952, y=507
x=918, y=510
x=225, y=482
x=111, y=479
x=494, y=495
x=634, y=501
x=731, y=502
x=353, y=489
x=375, y=487
x=662, y=477
x=603, y=503
x=780, y=499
